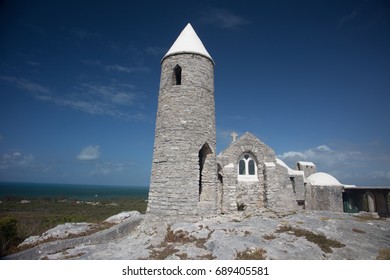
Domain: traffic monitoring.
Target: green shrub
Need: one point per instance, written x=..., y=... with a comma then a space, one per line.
x=8, y=233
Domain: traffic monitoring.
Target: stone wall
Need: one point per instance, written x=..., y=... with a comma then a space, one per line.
x=184, y=168
x=273, y=188
x=299, y=187
x=280, y=194
x=229, y=189
x=308, y=168
x=325, y=198
x=249, y=195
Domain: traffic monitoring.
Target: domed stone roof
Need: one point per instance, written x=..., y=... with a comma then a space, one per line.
x=323, y=179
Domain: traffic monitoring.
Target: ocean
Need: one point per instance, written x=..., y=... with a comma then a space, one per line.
x=70, y=192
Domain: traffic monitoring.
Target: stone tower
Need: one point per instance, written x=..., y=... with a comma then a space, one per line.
x=184, y=168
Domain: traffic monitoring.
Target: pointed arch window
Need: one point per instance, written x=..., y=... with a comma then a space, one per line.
x=247, y=168
x=177, y=74
x=203, y=153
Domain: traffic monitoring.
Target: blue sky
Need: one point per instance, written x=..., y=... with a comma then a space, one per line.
x=79, y=84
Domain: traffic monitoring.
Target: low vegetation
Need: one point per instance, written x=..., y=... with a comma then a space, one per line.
x=173, y=238
x=38, y=215
x=321, y=240
x=252, y=254
x=269, y=236
x=8, y=234
x=383, y=254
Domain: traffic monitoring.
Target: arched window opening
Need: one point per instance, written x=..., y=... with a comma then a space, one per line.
x=247, y=168
x=177, y=74
x=241, y=167
x=220, y=176
x=251, y=167
x=203, y=153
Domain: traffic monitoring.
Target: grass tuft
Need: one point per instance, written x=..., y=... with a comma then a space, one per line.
x=269, y=236
x=321, y=240
x=252, y=254
x=167, y=247
x=383, y=254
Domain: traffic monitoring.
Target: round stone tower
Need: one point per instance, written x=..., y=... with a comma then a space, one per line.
x=184, y=168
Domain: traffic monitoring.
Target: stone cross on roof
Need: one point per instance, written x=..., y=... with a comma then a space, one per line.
x=234, y=136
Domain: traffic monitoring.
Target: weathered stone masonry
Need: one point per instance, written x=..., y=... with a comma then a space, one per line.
x=188, y=179
x=184, y=169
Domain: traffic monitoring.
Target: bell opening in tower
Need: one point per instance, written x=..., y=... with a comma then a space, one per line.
x=177, y=74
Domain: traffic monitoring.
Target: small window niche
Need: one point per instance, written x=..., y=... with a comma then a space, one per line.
x=177, y=74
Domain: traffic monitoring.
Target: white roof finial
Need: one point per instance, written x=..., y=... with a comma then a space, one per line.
x=188, y=42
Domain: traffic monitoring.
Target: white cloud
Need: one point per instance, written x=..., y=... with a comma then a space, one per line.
x=89, y=153
x=323, y=156
x=125, y=69
x=25, y=84
x=380, y=174
x=33, y=63
x=106, y=168
x=111, y=100
x=16, y=159
x=156, y=51
x=366, y=167
x=121, y=94
x=223, y=18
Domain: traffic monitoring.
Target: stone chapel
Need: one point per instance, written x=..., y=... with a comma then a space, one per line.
x=189, y=179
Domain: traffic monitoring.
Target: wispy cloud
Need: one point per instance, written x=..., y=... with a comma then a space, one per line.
x=82, y=33
x=323, y=156
x=89, y=153
x=15, y=160
x=120, y=68
x=155, y=51
x=348, y=17
x=33, y=63
x=381, y=174
x=222, y=18
x=367, y=167
x=23, y=166
x=34, y=28
x=96, y=107
x=25, y=84
x=113, y=99
x=107, y=167
x=91, y=62
x=120, y=94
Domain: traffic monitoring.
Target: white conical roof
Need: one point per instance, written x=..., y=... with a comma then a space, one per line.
x=188, y=42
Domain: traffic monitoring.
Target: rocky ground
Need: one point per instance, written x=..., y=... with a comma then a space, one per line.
x=261, y=235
